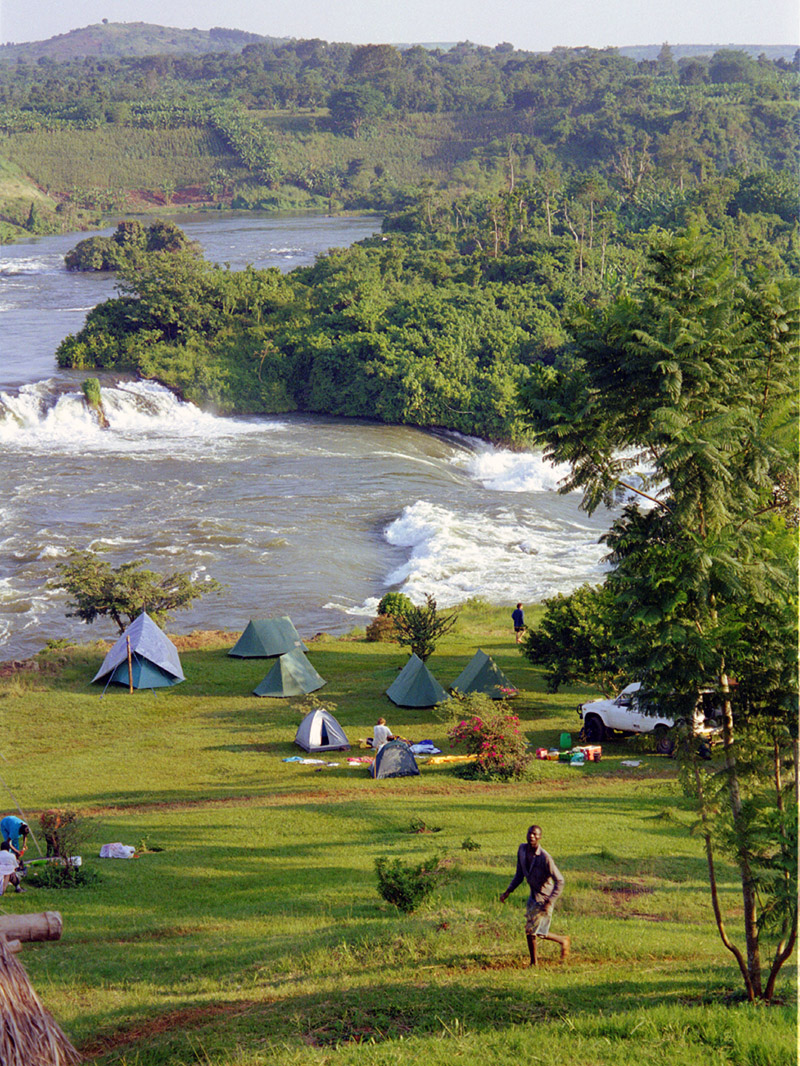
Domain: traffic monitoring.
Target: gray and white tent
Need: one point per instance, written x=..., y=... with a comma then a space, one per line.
x=154, y=658
x=415, y=686
x=292, y=675
x=264, y=638
x=319, y=731
x=482, y=674
x=394, y=759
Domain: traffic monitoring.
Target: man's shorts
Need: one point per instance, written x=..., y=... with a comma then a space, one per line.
x=537, y=920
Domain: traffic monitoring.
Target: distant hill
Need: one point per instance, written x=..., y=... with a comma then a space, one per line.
x=680, y=51
x=143, y=39
x=132, y=39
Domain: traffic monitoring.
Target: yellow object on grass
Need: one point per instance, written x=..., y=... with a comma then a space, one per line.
x=438, y=760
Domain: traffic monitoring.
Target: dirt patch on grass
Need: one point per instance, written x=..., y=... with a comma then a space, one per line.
x=205, y=638
x=625, y=890
x=143, y=1032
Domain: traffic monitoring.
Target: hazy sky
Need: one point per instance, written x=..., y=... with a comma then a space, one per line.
x=537, y=25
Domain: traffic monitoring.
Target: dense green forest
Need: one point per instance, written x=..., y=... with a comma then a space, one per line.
x=515, y=189
x=333, y=126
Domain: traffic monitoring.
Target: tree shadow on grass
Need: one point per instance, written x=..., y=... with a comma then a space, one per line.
x=379, y=1011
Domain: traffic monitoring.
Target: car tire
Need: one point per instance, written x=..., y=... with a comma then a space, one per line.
x=665, y=743
x=594, y=730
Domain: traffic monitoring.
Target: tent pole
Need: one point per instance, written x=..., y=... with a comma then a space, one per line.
x=130, y=665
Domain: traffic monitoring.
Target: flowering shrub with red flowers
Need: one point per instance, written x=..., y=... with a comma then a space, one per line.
x=489, y=730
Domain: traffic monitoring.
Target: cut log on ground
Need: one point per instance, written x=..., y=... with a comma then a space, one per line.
x=46, y=925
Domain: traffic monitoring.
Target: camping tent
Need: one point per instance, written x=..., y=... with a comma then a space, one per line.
x=292, y=675
x=482, y=674
x=415, y=686
x=264, y=638
x=319, y=731
x=394, y=759
x=154, y=658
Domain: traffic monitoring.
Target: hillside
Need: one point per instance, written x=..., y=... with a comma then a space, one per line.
x=131, y=39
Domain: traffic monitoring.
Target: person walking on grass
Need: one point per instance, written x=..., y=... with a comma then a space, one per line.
x=518, y=618
x=546, y=883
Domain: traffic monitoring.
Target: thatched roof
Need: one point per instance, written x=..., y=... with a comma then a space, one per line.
x=29, y=1035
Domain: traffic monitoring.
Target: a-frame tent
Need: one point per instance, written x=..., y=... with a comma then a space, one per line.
x=415, y=686
x=264, y=638
x=394, y=759
x=319, y=731
x=155, y=662
x=292, y=675
x=482, y=674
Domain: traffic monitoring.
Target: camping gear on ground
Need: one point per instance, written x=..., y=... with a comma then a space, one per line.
x=442, y=760
x=117, y=851
x=394, y=759
x=319, y=731
x=292, y=675
x=577, y=758
x=482, y=674
x=425, y=747
x=415, y=686
x=29, y=1033
x=565, y=742
x=266, y=638
x=153, y=661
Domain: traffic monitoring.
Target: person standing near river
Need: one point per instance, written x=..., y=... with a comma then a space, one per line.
x=546, y=882
x=518, y=618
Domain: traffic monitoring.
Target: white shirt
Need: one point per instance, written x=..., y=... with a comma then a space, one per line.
x=380, y=734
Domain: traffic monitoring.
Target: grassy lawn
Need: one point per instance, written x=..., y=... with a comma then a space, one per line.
x=257, y=934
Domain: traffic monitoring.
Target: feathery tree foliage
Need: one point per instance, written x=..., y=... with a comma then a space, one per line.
x=121, y=593
x=684, y=395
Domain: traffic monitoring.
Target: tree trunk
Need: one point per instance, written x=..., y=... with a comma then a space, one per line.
x=745, y=872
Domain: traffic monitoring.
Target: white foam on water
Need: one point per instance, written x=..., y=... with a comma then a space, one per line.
x=14, y=266
x=502, y=470
x=499, y=557
x=140, y=413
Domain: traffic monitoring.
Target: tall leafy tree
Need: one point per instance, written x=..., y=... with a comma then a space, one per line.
x=684, y=398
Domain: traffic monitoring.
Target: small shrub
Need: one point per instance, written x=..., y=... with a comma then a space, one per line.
x=470, y=845
x=487, y=728
x=62, y=875
x=394, y=603
x=419, y=825
x=407, y=885
x=382, y=628
x=421, y=628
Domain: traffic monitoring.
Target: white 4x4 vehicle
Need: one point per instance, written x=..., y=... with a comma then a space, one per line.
x=624, y=715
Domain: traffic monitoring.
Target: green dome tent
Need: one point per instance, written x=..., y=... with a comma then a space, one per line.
x=292, y=675
x=415, y=686
x=264, y=638
x=154, y=658
x=482, y=674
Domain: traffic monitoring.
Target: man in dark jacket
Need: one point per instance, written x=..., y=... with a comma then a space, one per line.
x=518, y=618
x=546, y=883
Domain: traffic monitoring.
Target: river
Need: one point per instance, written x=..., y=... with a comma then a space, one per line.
x=306, y=516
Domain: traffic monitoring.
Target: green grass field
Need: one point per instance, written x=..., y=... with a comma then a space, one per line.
x=257, y=935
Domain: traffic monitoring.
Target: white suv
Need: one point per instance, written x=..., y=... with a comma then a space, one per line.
x=624, y=715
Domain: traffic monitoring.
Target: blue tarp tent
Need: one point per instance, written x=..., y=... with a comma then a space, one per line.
x=154, y=658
